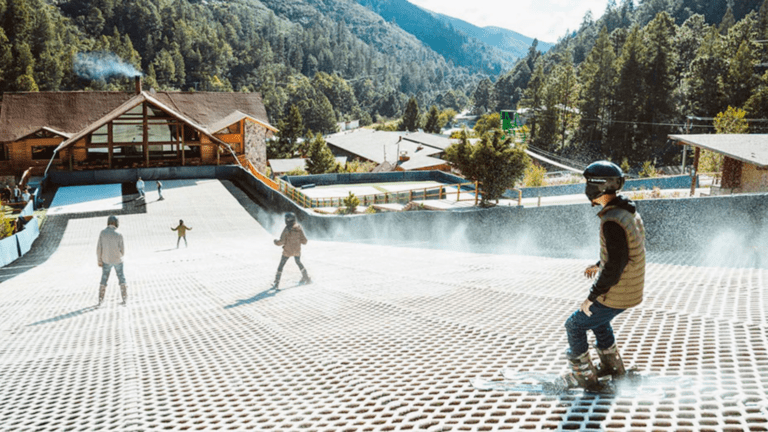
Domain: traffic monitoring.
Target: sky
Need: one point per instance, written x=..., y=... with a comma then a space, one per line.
x=546, y=20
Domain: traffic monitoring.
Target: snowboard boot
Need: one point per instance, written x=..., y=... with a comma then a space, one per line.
x=124, y=293
x=277, y=281
x=610, y=362
x=102, y=291
x=305, y=279
x=583, y=374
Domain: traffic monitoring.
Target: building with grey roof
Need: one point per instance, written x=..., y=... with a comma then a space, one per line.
x=745, y=163
x=403, y=151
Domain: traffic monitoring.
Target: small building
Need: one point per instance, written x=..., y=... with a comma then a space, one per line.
x=403, y=151
x=108, y=130
x=745, y=163
x=348, y=125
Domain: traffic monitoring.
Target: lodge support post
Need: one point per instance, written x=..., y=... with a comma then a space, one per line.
x=182, y=146
x=110, y=140
x=145, y=133
x=695, y=170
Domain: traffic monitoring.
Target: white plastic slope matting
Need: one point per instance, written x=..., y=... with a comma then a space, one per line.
x=85, y=199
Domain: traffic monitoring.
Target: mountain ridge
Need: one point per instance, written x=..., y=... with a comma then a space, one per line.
x=498, y=37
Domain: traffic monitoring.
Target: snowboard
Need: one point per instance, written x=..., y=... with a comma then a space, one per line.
x=633, y=384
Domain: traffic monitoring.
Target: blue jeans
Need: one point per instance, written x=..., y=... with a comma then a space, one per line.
x=600, y=324
x=106, y=269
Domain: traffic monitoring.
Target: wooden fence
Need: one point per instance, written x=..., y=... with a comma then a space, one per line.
x=401, y=197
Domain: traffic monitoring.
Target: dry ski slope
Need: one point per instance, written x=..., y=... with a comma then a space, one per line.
x=386, y=338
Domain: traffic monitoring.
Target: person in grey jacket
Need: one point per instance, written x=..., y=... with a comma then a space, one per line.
x=109, y=252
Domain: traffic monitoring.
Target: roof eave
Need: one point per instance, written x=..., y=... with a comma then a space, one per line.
x=685, y=141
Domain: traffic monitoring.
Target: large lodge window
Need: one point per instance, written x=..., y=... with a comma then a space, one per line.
x=3, y=152
x=43, y=152
x=166, y=138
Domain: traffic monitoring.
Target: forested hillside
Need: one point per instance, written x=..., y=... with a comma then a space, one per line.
x=619, y=85
x=333, y=59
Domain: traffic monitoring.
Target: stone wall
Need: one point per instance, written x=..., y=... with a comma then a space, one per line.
x=256, y=145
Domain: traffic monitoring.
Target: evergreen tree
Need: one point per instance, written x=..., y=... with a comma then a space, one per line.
x=410, y=120
x=6, y=58
x=701, y=85
x=757, y=104
x=482, y=96
x=597, y=76
x=432, y=124
x=565, y=90
x=740, y=81
x=494, y=162
x=533, y=97
x=487, y=123
x=658, y=66
x=322, y=117
x=727, y=22
x=623, y=134
x=320, y=160
x=548, y=114
x=289, y=130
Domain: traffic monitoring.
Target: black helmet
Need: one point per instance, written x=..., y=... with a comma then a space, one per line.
x=112, y=220
x=603, y=177
x=290, y=218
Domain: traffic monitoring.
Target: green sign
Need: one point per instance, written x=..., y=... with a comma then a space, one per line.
x=511, y=125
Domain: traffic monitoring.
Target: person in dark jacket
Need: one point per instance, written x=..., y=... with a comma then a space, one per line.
x=291, y=240
x=620, y=279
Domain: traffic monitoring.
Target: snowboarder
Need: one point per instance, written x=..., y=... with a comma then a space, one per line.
x=291, y=240
x=182, y=229
x=620, y=279
x=109, y=252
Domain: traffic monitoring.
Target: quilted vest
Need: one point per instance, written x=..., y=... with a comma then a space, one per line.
x=628, y=292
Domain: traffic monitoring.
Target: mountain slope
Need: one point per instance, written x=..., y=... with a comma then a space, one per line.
x=503, y=39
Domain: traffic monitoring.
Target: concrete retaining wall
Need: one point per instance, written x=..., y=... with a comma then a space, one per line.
x=673, y=182
x=723, y=230
x=13, y=247
x=358, y=178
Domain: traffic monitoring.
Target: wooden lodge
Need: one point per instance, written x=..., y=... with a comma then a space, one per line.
x=110, y=130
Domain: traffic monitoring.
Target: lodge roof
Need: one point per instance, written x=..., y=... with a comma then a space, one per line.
x=749, y=148
x=69, y=113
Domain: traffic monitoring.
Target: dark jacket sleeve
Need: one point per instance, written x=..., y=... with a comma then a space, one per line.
x=618, y=257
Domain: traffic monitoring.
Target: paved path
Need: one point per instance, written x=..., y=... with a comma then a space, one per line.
x=387, y=338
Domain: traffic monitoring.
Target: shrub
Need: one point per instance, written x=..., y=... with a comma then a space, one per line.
x=350, y=203
x=296, y=172
x=6, y=226
x=649, y=170
x=625, y=165
x=534, y=175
